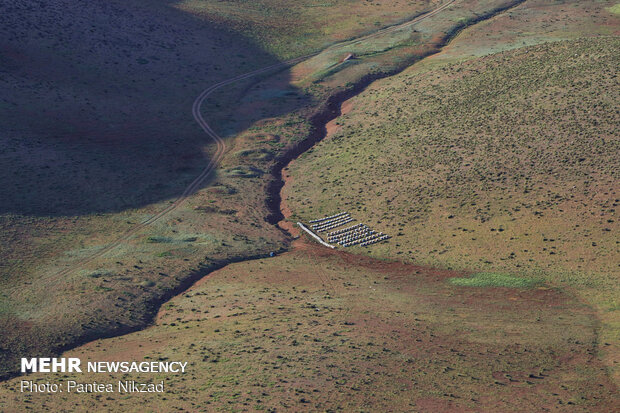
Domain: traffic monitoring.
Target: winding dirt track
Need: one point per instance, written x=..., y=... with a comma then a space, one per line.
x=195, y=184
x=221, y=145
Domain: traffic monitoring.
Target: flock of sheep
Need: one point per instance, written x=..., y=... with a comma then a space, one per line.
x=357, y=234
x=327, y=223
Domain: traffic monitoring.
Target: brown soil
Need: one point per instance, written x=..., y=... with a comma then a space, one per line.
x=332, y=126
x=321, y=330
x=285, y=224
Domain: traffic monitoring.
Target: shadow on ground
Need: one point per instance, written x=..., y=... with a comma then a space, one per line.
x=95, y=102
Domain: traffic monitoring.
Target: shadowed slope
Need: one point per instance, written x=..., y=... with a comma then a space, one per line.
x=95, y=102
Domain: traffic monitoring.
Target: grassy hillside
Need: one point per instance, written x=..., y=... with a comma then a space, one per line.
x=505, y=162
x=100, y=138
x=287, y=28
x=314, y=330
x=97, y=135
x=501, y=165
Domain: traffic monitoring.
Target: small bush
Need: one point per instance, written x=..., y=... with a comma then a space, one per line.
x=158, y=240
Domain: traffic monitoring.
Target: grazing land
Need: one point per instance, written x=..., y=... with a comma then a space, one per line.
x=493, y=159
x=317, y=330
x=288, y=29
x=97, y=137
x=501, y=163
x=100, y=138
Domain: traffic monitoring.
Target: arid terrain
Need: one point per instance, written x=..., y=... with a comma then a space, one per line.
x=323, y=331
x=480, y=134
x=79, y=260
x=501, y=163
x=98, y=137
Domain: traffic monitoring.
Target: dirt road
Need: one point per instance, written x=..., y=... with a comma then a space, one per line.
x=221, y=145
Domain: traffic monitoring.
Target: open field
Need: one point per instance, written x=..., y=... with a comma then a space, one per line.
x=97, y=136
x=501, y=163
x=317, y=330
x=100, y=138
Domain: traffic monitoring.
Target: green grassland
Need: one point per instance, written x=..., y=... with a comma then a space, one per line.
x=615, y=8
x=533, y=22
x=314, y=330
x=490, y=279
x=505, y=163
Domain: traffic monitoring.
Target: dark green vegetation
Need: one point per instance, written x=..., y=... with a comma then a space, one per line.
x=317, y=330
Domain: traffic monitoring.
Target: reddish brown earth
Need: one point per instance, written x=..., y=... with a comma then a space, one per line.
x=320, y=330
x=285, y=224
x=333, y=125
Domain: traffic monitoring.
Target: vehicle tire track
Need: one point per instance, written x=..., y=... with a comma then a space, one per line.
x=195, y=184
x=220, y=144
